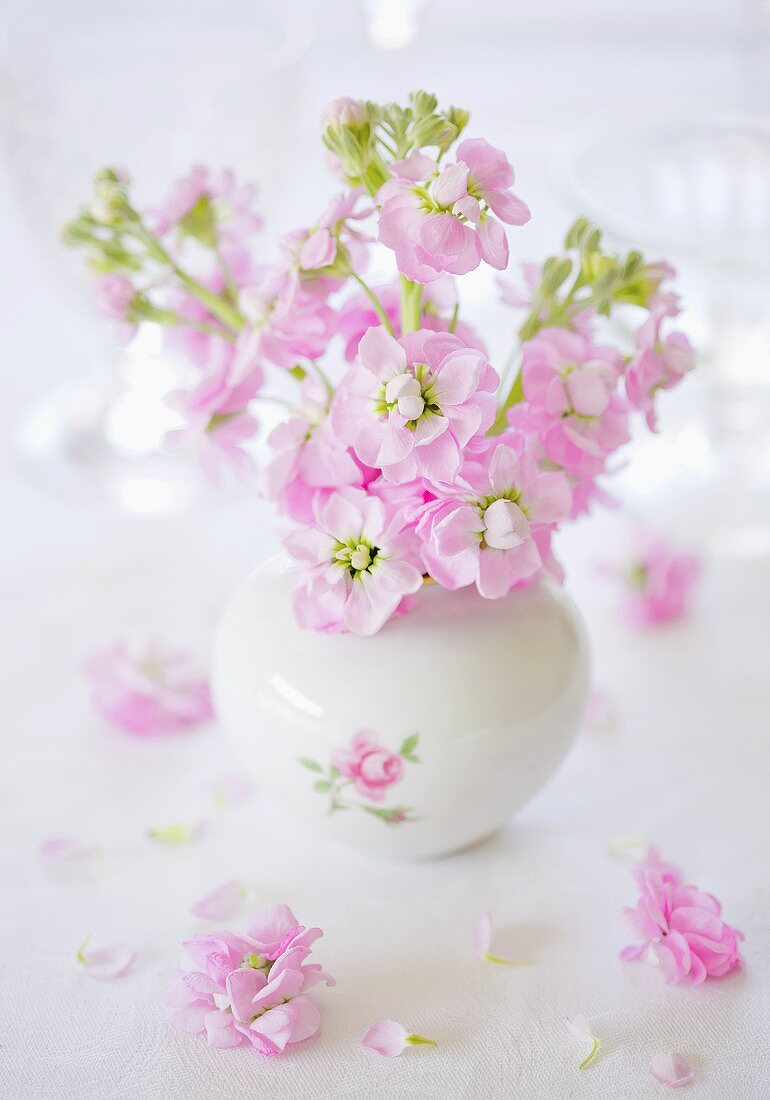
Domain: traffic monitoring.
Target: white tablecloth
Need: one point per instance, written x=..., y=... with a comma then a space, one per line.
x=685, y=764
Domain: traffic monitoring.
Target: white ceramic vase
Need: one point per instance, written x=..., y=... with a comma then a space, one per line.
x=414, y=743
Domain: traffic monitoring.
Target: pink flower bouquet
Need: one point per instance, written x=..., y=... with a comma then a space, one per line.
x=405, y=456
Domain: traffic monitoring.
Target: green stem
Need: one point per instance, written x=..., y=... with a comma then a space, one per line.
x=379, y=309
x=420, y=1040
x=587, y=1061
x=455, y=316
x=514, y=396
x=222, y=310
x=323, y=377
x=411, y=305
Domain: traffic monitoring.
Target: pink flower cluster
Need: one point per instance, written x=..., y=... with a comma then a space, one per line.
x=679, y=926
x=250, y=988
x=416, y=461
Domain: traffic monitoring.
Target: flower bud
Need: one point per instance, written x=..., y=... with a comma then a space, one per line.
x=343, y=111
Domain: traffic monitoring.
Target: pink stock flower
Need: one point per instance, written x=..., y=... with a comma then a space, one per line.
x=658, y=583
x=570, y=400
x=446, y=220
x=358, y=564
x=413, y=404
x=250, y=988
x=113, y=295
x=681, y=928
x=372, y=768
x=311, y=250
x=307, y=457
x=357, y=314
x=389, y=1039
x=659, y=364
x=343, y=111
x=493, y=528
x=215, y=411
x=232, y=203
x=291, y=317
x=145, y=689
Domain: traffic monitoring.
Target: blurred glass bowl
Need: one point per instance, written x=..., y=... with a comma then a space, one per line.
x=155, y=87
x=695, y=188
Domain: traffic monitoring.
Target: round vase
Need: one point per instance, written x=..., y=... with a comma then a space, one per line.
x=416, y=742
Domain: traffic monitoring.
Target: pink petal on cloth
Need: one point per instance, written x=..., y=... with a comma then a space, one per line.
x=482, y=936
x=672, y=1070
x=386, y=1037
x=221, y=904
x=112, y=961
x=59, y=851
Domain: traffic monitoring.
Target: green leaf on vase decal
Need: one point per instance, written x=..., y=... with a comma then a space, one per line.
x=311, y=765
x=407, y=748
x=363, y=774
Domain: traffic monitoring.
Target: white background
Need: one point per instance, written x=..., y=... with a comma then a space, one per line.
x=685, y=763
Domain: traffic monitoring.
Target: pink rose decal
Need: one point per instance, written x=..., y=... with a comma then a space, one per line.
x=371, y=767
x=371, y=770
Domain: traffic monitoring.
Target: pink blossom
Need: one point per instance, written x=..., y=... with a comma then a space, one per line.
x=357, y=314
x=672, y=1070
x=307, y=457
x=658, y=583
x=113, y=295
x=413, y=404
x=570, y=400
x=146, y=689
x=232, y=203
x=659, y=363
x=681, y=928
x=358, y=565
x=57, y=852
x=390, y=1039
x=291, y=317
x=447, y=220
x=372, y=768
x=112, y=961
x=250, y=988
x=493, y=528
x=335, y=234
x=217, y=421
x=343, y=111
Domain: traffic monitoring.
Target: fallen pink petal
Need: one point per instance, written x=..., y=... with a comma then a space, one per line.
x=176, y=835
x=581, y=1029
x=228, y=790
x=390, y=1039
x=64, y=851
x=671, y=1070
x=112, y=961
x=221, y=904
x=482, y=940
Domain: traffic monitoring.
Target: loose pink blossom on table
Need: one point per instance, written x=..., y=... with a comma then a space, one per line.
x=459, y=470
x=482, y=941
x=358, y=564
x=221, y=903
x=251, y=988
x=146, y=689
x=581, y=1029
x=672, y=1070
x=657, y=583
x=390, y=1039
x=113, y=961
x=680, y=928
